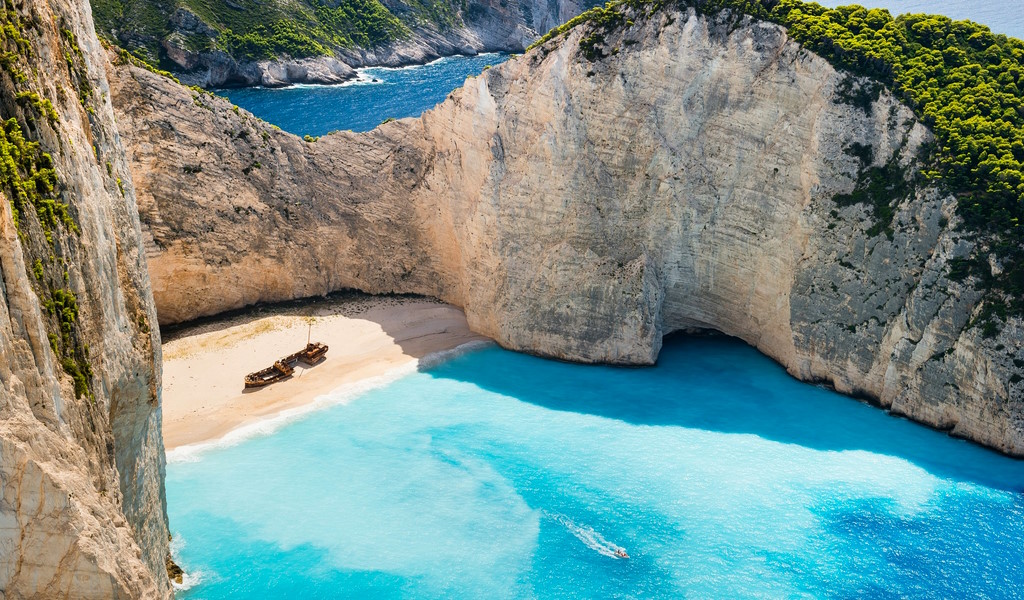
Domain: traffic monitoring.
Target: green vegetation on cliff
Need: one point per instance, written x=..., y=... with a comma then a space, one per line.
x=30, y=185
x=252, y=29
x=28, y=179
x=313, y=30
x=963, y=81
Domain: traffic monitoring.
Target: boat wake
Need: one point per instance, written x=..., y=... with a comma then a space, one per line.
x=589, y=536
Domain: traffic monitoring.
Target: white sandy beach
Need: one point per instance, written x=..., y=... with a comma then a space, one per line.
x=204, y=365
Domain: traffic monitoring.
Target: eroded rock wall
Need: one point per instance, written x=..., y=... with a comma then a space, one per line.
x=82, y=511
x=684, y=176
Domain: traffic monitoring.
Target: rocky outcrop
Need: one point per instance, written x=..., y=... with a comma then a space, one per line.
x=680, y=173
x=82, y=512
x=217, y=69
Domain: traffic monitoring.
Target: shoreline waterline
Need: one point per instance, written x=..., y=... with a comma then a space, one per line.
x=361, y=103
x=373, y=341
x=529, y=474
x=357, y=79
x=343, y=394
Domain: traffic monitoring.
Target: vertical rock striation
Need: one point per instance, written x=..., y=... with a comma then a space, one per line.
x=82, y=511
x=676, y=173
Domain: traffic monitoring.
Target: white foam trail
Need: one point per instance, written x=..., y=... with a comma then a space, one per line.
x=589, y=536
x=341, y=395
x=405, y=67
x=363, y=78
x=177, y=543
x=364, y=75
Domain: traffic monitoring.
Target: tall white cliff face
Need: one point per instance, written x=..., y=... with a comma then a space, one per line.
x=82, y=512
x=583, y=209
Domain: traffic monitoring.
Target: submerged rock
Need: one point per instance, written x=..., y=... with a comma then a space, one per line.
x=174, y=572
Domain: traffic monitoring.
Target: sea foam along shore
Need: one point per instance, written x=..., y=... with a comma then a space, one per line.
x=342, y=395
x=373, y=341
x=362, y=75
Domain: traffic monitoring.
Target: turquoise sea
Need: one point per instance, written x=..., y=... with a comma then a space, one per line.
x=500, y=475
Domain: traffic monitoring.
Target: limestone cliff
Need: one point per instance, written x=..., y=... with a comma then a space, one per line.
x=581, y=203
x=82, y=511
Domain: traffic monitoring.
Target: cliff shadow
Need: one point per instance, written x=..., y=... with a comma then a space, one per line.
x=417, y=337
x=707, y=382
x=720, y=384
x=417, y=325
x=341, y=302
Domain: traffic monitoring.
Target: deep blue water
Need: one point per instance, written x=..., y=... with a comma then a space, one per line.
x=362, y=104
x=499, y=475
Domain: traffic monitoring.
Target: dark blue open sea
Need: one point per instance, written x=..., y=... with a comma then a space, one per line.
x=360, y=105
x=382, y=93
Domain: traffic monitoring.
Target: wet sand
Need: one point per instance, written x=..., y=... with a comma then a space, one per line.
x=204, y=364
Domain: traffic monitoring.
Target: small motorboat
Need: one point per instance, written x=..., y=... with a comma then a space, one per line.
x=621, y=553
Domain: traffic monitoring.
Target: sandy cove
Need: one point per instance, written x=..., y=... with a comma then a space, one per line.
x=204, y=364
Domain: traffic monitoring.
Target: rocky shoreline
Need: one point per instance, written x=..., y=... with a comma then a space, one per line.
x=498, y=28
x=223, y=72
x=218, y=70
x=323, y=70
x=573, y=205
x=82, y=504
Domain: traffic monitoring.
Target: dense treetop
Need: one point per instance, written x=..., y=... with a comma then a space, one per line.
x=257, y=29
